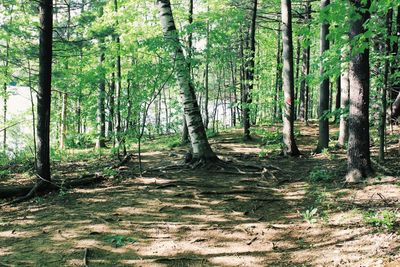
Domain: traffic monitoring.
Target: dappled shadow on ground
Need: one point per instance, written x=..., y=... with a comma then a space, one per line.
x=199, y=218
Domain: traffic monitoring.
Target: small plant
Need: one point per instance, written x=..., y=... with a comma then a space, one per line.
x=310, y=215
x=262, y=154
x=321, y=175
x=4, y=173
x=63, y=191
x=385, y=219
x=120, y=240
x=39, y=200
x=109, y=172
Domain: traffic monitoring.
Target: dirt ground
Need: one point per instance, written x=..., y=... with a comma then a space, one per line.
x=200, y=218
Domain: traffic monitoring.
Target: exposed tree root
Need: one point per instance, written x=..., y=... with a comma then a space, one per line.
x=29, y=191
x=219, y=166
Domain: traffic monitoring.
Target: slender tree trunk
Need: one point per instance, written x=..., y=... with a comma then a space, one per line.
x=395, y=83
x=185, y=131
x=337, y=99
x=233, y=101
x=324, y=87
x=384, y=87
x=101, y=118
x=206, y=77
x=247, y=99
x=278, y=80
x=344, y=104
x=358, y=154
x=289, y=143
x=44, y=91
x=201, y=148
x=308, y=98
x=111, y=104
x=296, y=95
x=303, y=84
x=63, y=126
x=5, y=96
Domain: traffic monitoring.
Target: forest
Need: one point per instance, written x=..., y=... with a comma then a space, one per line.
x=199, y=133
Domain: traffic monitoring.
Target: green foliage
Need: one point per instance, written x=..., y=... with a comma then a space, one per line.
x=211, y=133
x=319, y=174
x=4, y=173
x=310, y=215
x=110, y=172
x=120, y=240
x=384, y=220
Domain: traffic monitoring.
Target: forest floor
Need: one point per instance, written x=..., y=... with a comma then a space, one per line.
x=298, y=214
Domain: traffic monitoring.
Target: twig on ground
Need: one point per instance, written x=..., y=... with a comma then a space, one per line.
x=252, y=241
x=85, y=255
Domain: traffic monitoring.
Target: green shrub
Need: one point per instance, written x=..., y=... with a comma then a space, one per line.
x=385, y=219
x=319, y=174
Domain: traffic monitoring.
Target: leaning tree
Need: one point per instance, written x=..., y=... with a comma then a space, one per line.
x=202, y=151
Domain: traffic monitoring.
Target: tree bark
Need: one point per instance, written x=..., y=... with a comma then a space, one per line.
x=201, y=148
x=101, y=117
x=384, y=87
x=5, y=95
x=247, y=99
x=44, y=91
x=358, y=154
x=185, y=131
x=289, y=143
x=344, y=104
x=323, y=141
x=278, y=80
x=395, y=84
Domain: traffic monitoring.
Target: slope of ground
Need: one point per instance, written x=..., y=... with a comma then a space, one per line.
x=299, y=213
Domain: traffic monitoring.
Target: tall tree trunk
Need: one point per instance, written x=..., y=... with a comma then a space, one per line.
x=120, y=139
x=63, y=126
x=5, y=96
x=384, y=87
x=278, y=80
x=358, y=154
x=297, y=85
x=206, y=76
x=337, y=98
x=247, y=99
x=323, y=141
x=395, y=83
x=344, y=104
x=44, y=91
x=185, y=131
x=201, y=148
x=289, y=143
x=101, y=117
x=111, y=106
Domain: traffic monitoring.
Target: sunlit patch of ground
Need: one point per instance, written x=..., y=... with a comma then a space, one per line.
x=186, y=218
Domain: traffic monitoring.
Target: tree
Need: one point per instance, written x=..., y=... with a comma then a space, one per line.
x=44, y=90
x=185, y=132
x=247, y=100
x=305, y=69
x=358, y=153
x=290, y=147
x=323, y=141
x=202, y=151
x=101, y=116
x=344, y=103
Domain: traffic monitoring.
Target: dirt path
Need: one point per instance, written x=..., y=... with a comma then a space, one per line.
x=209, y=219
